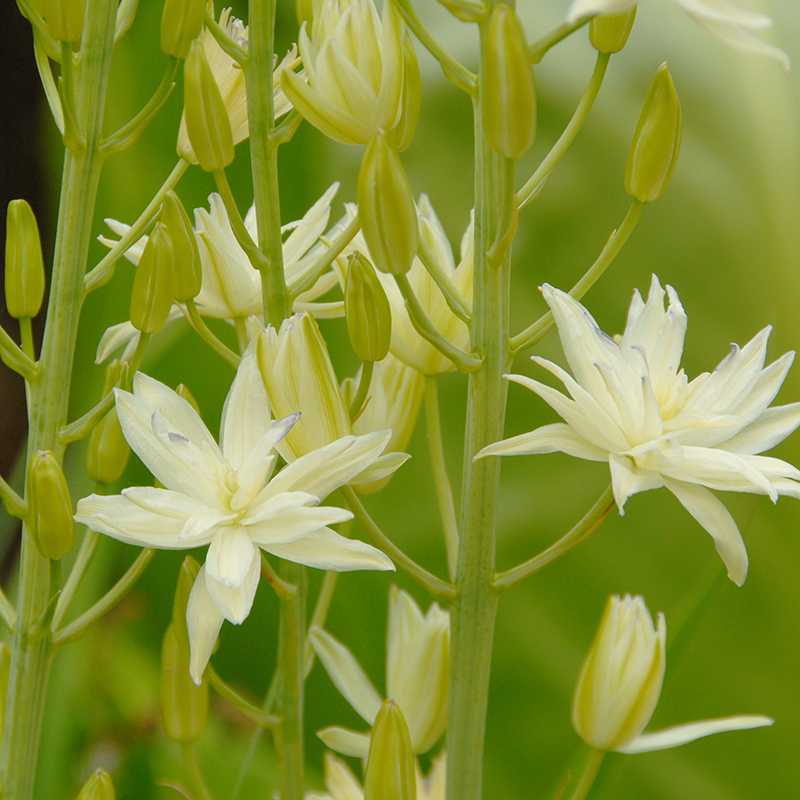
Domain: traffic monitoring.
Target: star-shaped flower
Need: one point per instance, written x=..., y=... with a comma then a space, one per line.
x=227, y=497
x=631, y=405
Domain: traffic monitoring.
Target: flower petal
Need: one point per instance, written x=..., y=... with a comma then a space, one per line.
x=771, y=428
x=742, y=39
x=203, y=619
x=294, y=523
x=627, y=479
x=345, y=741
x=230, y=557
x=558, y=437
x=235, y=603
x=585, y=8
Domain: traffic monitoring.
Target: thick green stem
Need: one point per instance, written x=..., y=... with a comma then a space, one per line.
x=472, y=615
x=31, y=656
x=586, y=781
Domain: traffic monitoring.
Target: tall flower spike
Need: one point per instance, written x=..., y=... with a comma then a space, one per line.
x=227, y=496
x=632, y=406
x=620, y=683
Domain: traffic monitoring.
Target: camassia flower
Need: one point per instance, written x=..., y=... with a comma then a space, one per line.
x=229, y=497
x=631, y=405
x=729, y=21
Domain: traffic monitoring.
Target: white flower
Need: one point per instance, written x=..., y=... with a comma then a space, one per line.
x=227, y=497
x=620, y=684
x=417, y=668
x=631, y=405
x=727, y=20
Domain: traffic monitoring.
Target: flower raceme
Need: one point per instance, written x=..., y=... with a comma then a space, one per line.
x=620, y=684
x=228, y=496
x=632, y=406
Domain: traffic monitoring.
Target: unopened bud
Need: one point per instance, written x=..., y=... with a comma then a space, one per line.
x=98, y=787
x=184, y=706
x=367, y=309
x=49, y=506
x=108, y=451
x=24, y=264
x=386, y=208
x=64, y=18
x=656, y=142
x=608, y=33
x=508, y=94
x=207, y=121
x=390, y=767
x=187, y=277
x=181, y=23
x=183, y=391
x=151, y=298
x=186, y=579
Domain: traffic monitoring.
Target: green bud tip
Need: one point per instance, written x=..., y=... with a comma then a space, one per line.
x=24, y=270
x=49, y=506
x=187, y=277
x=151, y=298
x=609, y=33
x=181, y=23
x=367, y=310
x=98, y=787
x=390, y=771
x=108, y=450
x=183, y=391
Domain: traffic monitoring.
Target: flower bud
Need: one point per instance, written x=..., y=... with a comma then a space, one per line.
x=98, y=787
x=207, y=121
x=656, y=142
x=181, y=24
x=621, y=678
x=184, y=706
x=108, y=450
x=186, y=578
x=608, y=33
x=151, y=298
x=187, y=277
x=386, y=207
x=402, y=135
x=366, y=307
x=49, y=506
x=64, y=18
x=24, y=264
x=390, y=771
x=183, y=392
x=508, y=93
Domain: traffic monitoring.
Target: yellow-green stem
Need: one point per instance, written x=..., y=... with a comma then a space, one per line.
x=586, y=781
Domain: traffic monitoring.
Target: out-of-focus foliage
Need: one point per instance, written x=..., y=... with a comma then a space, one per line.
x=726, y=235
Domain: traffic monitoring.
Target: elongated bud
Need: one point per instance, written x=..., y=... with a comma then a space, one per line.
x=151, y=298
x=402, y=135
x=186, y=578
x=181, y=23
x=656, y=142
x=5, y=666
x=98, y=787
x=187, y=277
x=390, y=766
x=49, y=506
x=64, y=18
x=184, y=706
x=183, y=391
x=24, y=262
x=608, y=33
x=367, y=309
x=108, y=451
x=508, y=95
x=207, y=121
x=386, y=208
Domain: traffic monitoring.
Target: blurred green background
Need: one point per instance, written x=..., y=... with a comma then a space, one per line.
x=726, y=235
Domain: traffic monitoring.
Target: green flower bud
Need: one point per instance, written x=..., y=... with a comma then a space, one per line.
x=98, y=787
x=5, y=666
x=390, y=766
x=656, y=142
x=608, y=33
x=64, y=18
x=108, y=451
x=184, y=706
x=402, y=135
x=187, y=277
x=181, y=23
x=186, y=578
x=207, y=121
x=386, y=207
x=367, y=309
x=183, y=391
x=151, y=298
x=49, y=506
x=508, y=93
x=24, y=262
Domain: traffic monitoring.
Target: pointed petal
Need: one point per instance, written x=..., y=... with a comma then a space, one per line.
x=235, y=603
x=382, y=467
x=345, y=741
x=230, y=557
x=295, y=523
x=627, y=479
x=771, y=428
x=203, y=620
x=742, y=39
x=558, y=437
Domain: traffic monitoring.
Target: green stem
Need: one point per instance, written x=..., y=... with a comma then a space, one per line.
x=241, y=333
x=285, y=591
x=13, y=356
x=31, y=656
x=82, y=426
x=233, y=49
x=12, y=502
x=456, y=302
x=441, y=480
x=321, y=610
x=537, y=49
x=198, y=323
x=230, y=694
x=8, y=613
x=367, y=368
x=88, y=546
x=26, y=337
x=586, y=781
x=190, y=758
x=532, y=186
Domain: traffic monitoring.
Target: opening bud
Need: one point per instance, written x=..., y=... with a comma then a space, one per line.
x=608, y=33
x=186, y=579
x=181, y=24
x=49, y=506
x=207, y=121
x=367, y=309
x=386, y=207
x=24, y=263
x=151, y=298
x=98, y=787
x=184, y=706
x=508, y=93
x=656, y=142
x=64, y=18
x=390, y=767
x=187, y=277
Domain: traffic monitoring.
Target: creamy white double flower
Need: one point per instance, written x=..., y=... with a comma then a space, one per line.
x=729, y=21
x=631, y=405
x=227, y=497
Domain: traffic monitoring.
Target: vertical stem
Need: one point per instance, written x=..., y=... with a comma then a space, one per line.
x=472, y=615
x=30, y=657
x=587, y=779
